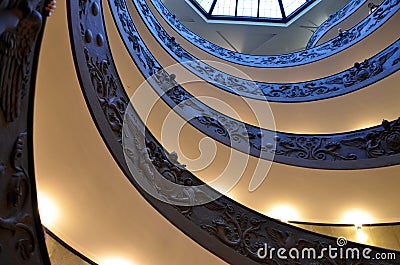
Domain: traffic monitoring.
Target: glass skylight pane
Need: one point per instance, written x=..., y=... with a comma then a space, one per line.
x=206, y=4
x=224, y=7
x=247, y=8
x=291, y=5
x=270, y=8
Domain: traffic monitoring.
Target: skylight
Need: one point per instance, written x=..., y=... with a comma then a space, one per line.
x=264, y=10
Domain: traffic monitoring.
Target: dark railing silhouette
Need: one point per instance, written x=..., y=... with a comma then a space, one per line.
x=21, y=234
x=357, y=77
x=386, y=10
x=224, y=227
x=333, y=20
x=334, y=151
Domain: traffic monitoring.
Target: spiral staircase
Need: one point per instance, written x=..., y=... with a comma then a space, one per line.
x=143, y=134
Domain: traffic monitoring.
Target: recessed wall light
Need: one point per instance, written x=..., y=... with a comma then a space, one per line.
x=356, y=217
x=361, y=236
x=284, y=213
x=47, y=209
x=115, y=261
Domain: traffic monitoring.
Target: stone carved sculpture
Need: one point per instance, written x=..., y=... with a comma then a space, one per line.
x=174, y=172
x=16, y=44
x=21, y=240
x=19, y=223
x=376, y=143
x=366, y=69
x=161, y=170
x=333, y=20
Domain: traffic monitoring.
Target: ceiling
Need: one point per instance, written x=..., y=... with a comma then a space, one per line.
x=257, y=38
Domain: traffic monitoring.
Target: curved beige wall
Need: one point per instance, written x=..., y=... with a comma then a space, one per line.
x=100, y=213
x=318, y=195
x=361, y=109
x=375, y=42
x=349, y=22
x=97, y=206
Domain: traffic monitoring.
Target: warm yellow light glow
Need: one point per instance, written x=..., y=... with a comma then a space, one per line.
x=361, y=236
x=356, y=217
x=115, y=261
x=47, y=209
x=284, y=213
x=365, y=123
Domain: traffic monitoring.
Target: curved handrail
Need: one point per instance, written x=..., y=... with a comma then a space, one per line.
x=355, y=34
x=357, y=149
x=333, y=20
x=224, y=227
x=373, y=69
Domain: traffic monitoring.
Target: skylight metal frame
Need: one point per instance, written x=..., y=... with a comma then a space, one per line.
x=285, y=18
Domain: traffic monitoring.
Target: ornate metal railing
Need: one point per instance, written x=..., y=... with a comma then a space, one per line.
x=357, y=77
x=333, y=20
x=21, y=233
x=334, y=151
x=386, y=10
x=226, y=228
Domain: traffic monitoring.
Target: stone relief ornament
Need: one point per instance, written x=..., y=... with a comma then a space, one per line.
x=384, y=141
x=16, y=44
x=238, y=230
x=17, y=220
x=105, y=85
x=362, y=74
x=158, y=171
x=21, y=241
x=313, y=148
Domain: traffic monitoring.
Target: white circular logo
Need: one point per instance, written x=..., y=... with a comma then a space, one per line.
x=341, y=241
x=163, y=181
